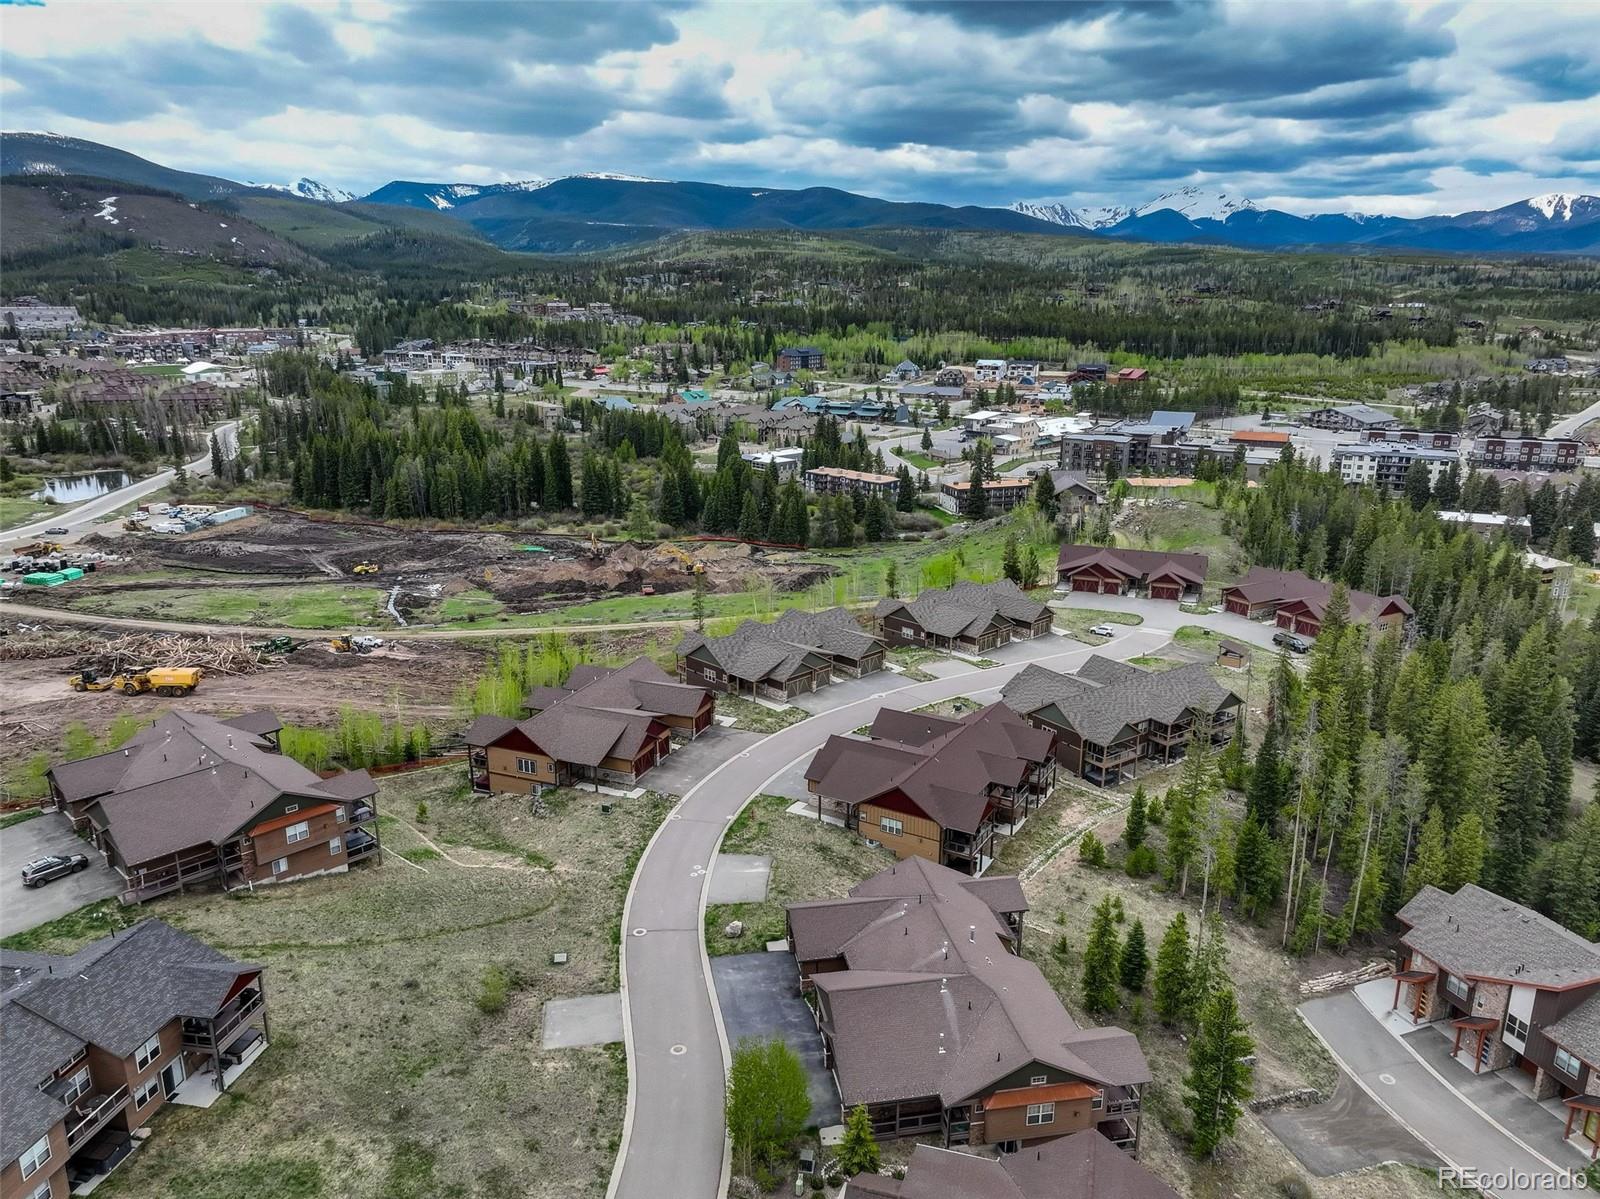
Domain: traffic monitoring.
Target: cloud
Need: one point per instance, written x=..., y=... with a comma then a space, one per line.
x=1411, y=104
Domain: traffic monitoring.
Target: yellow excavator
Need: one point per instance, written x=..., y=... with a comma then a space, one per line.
x=690, y=565
x=364, y=568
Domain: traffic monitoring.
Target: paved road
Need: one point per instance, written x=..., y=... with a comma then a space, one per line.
x=1568, y=426
x=673, y=1135
x=93, y=510
x=1430, y=1110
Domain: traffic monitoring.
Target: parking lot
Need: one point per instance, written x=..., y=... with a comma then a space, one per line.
x=22, y=908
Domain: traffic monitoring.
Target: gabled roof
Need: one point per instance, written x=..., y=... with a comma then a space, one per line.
x=192, y=780
x=968, y=608
x=931, y=959
x=1579, y=1031
x=1283, y=588
x=1105, y=696
x=781, y=649
x=1134, y=564
x=114, y=993
x=601, y=712
x=1477, y=934
x=944, y=766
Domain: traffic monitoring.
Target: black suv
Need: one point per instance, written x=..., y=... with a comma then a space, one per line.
x=43, y=870
x=1292, y=642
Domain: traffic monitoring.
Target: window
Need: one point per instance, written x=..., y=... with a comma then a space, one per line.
x=78, y=1086
x=338, y=814
x=1041, y=1113
x=1098, y=1102
x=1038, y=1080
x=527, y=766
x=1567, y=1063
x=893, y=827
x=294, y=807
x=38, y=1153
x=1516, y=1027
x=147, y=1092
x=1456, y=986
x=280, y=865
x=334, y=846
x=298, y=832
x=43, y=1192
x=147, y=1053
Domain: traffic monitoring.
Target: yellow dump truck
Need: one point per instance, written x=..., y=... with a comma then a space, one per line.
x=161, y=680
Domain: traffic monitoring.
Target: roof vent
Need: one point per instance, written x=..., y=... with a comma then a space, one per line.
x=972, y=933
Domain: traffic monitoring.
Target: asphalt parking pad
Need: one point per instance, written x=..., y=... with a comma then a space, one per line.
x=586, y=1020
x=759, y=994
x=690, y=761
x=739, y=878
x=1348, y=1132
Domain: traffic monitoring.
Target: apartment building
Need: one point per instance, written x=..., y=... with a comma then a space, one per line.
x=936, y=787
x=967, y=617
x=1525, y=453
x=1385, y=464
x=1351, y=418
x=800, y=358
x=835, y=480
x=932, y=1019
x=1110, y=717
x=1001, y=495
x=603, y=724
x=193, y=799
x=92, y=1044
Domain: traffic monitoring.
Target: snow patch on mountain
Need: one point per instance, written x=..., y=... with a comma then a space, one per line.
x=1197, y=204
x=1076, y=218
x=310, y=189
x=1556, y=205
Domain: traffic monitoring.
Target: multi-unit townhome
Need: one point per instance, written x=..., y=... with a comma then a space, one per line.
x=936, y=787
x=92, y=1044
x=604, y=724
x=967, y=617
x=1298, y=602
x=1525, y=453
x=1105, y=570
x=797, y=653
x=932, y=1019
x=1082, y=1165
x=193, y=799
x=1111, y=716
x=1519, y=991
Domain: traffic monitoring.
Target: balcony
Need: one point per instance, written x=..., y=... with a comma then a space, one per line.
x=969, y=845
x=89, y=1115
x=203, y=1034
x=1121, y=1101
x=1109, y=758
x=362, y=813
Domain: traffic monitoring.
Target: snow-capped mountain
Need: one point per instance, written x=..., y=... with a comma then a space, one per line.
x=1197, y=204
x=310, y=189
x=1075, y=218
x=1563, y=206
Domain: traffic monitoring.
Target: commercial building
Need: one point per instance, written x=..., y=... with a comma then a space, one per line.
x=1109, y=717
x=931, y=1018
x=94, y=1043
x=603, y=724
x=193, y=799
x=1351, y=418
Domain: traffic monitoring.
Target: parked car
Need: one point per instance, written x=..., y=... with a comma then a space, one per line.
x=1103, y=630
x=1292, y=642
x=58, y=531
x=43, y=870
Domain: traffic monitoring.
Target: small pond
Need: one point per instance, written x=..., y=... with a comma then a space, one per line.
x=74, y=489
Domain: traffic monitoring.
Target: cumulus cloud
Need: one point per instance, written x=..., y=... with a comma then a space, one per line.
x=1407, y=106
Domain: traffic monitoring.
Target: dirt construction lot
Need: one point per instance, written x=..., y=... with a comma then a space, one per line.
x=406, y=1002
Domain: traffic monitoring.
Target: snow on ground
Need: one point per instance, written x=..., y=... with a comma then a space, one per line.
x=108, y=210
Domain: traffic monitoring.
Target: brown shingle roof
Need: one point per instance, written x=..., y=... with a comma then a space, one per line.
x=794, y=642
x=1477, y=934
x=1105, y=696
x=1134, y=564
x=1084, y=1165
x=1263, y=585
x=968, y=608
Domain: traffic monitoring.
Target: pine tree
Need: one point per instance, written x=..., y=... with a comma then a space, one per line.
x=891, y=580
x=1133, y=832
x=906, y=489
x=557, y=475
x=750, y=518
x=858, y=1150
x=1208, y=968
x=1030, y=568
x=878, y=520
x=216, y=459
x=1220, y=1077
x=1255, y=873
x=1429, y=864
x=1172, y=971
x=1134, y=963
x=1188, y=813
x=1100, y=961
x=1011, y=565
x=1464, y=859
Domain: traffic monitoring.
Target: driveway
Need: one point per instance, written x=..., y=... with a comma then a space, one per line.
x=1415, y=1097
x=759, y=994
x=1163, y=614
x=676, y=1045
x=689, y=762
x=21, y=908
x=1347, y=1132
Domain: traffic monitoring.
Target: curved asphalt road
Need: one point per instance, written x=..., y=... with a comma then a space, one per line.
x=673, y=1140
x=93, y=510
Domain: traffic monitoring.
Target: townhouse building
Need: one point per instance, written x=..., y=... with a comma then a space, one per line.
x=797, y=653
x=1295, y=601
x=1104, y=570
x=967, y=617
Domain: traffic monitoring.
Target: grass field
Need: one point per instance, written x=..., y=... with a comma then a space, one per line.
x=918, y=459
x=21, y=510
x=810, y=860
x=314, y=606
x=1078, y=622
x=1183, y=528
x=384, y=1077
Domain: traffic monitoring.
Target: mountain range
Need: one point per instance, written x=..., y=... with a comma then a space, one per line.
x=598, y=211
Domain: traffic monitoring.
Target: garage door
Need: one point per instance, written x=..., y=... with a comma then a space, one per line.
x=1307, y=628
x=1237, y=606
x=1284, y=620
x=1080, y=583
x=1111, y=587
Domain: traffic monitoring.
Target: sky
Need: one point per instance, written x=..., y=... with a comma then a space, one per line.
x=1407, y=107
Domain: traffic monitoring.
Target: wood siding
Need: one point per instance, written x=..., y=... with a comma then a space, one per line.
x=14, y=1186
x=920, y=838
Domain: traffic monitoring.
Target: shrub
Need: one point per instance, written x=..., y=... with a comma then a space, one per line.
x=1292, y=1186
x=1141, y=862
x=1090, y=851
x=492, y=990
x=422, y=810
x=1156, y=810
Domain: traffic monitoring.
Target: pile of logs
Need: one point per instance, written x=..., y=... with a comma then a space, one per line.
x=136, y=651
x=1338, y=980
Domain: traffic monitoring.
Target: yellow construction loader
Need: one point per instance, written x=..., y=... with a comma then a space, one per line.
x=160, y=680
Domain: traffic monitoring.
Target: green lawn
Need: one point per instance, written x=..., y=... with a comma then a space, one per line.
x=163, y=369
x=918, y=459
x=469, y=605
x=317, y=606
x=21, y=510
x=1154, y=662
